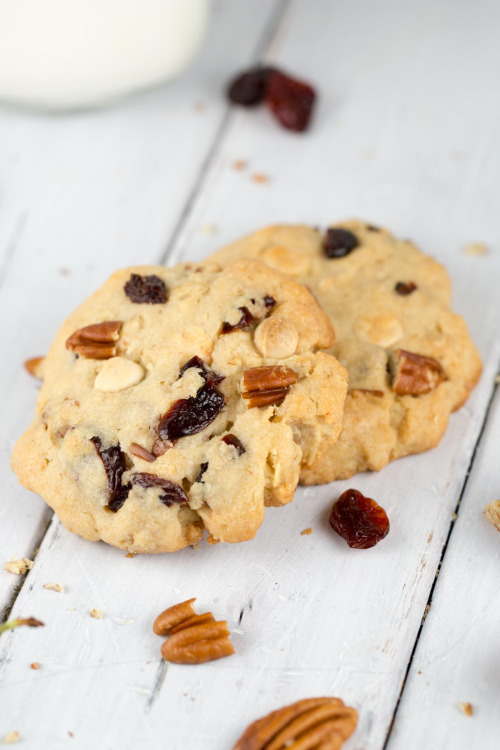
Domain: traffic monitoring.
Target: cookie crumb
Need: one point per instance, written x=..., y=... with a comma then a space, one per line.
x=211, y=540
x=239, y=165
x=51, y=586
x=19, y=567
x=492, y=513
x=196, y=545
x=260, y=178
x=475, y=248
x=97, y=614
x=35, y=665
x=306, y=532
x=70, y=733
x=208, y=229
x=10, y=738
x=130, y=554
x=466, y=708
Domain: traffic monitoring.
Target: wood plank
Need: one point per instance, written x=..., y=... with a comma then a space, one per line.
x=83, y=194
x=455, y=659
x=317, y=616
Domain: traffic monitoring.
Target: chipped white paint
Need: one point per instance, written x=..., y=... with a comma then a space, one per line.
x=308, y=615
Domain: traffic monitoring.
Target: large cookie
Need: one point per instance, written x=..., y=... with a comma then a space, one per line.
x=411, y=361
x=153, y=423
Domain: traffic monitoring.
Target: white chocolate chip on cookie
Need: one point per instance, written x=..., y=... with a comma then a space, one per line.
x=383, y=330
x=276, y=337
x=118, y=373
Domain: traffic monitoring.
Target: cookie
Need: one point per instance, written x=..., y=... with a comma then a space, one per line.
x=182, y=399
x=411, y=360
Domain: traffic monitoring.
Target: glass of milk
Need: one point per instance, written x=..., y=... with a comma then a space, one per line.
x=71, y=54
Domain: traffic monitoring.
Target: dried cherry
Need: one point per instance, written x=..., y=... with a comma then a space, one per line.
x=404, y=288
x=113, y=460
x=231, y=439
x=187, y=416
x=246, y=320
x=203, y=468
x=290, y=100
x=249, y=88
x=359, y=520
x=269, y=301
x=171, y=492
x=207, y=374
x=146, y=289
x=339, y=242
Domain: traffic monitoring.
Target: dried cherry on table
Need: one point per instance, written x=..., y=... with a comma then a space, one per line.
x=359, y=520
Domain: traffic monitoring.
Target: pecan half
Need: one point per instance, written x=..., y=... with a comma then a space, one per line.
x=415, y=374
x=173, y=616
x=262, y=386
x=315, y=723
x=194, y=620
x=96, y=341
x=194, y=639
x=198, y=643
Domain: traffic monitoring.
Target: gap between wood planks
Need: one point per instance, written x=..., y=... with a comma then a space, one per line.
x=269, y=33
x=441, y=559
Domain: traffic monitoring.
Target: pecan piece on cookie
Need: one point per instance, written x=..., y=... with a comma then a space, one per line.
x=137, y=450
x=309, y=723
x=97, y=341
x=263, y=386
x=415, y=374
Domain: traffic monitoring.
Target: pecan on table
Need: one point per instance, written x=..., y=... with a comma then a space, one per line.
x=415, y=374
x=315, y=723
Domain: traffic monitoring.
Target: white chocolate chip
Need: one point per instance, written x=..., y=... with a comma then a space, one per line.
x=383, y=330
x=118, y=373
x=276, y=337
x=286, y=261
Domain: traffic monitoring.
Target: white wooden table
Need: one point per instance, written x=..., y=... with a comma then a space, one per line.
x=406, y=135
